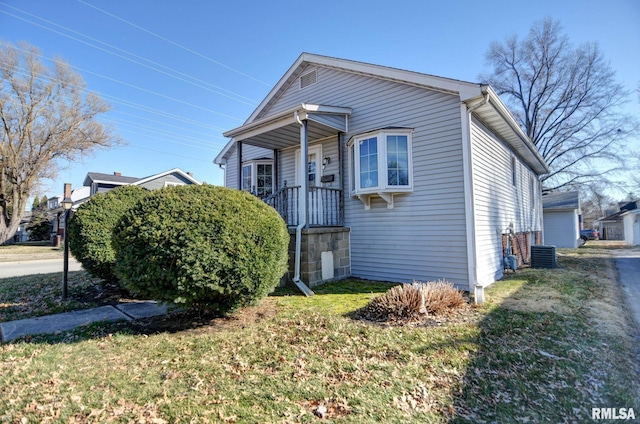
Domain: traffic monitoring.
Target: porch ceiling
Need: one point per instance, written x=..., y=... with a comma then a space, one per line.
x=283, y=129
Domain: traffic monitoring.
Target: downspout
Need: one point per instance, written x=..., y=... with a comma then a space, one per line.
x=478, y=289
x=303, y=216
x=239, y=160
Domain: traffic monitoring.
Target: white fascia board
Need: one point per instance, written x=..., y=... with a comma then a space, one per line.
x=220, y=159
x=261, y=127
x=325, y=109
x=511, y=121
x=292, y=69
x=466, y=90
x=282, y=119
x=162, y=174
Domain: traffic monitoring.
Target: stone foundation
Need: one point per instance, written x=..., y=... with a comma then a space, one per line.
x=325, y=255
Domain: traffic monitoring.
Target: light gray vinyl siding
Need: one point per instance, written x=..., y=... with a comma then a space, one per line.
x=160, y=182
x=423, y=237
x=248, y=153
x=497, y=201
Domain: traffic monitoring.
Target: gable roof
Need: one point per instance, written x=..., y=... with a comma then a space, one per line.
x=179, y=171
x=97, y=177
x=625, y=208
x=480, y=98
x=561, y=200
x=115, y=179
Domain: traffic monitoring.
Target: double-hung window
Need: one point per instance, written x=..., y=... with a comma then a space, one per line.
x=381, y=163
x=257, y=177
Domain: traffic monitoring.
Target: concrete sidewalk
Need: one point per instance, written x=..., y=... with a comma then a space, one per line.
x=51, y=324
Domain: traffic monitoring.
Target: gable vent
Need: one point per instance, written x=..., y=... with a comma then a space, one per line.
x=308, y=79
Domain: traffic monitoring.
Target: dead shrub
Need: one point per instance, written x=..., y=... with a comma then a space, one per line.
x=415, y=301
x=441, y=297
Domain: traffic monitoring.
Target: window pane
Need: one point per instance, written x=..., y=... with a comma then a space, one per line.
x=369, y=162
x=246, y=177
x=264, y=179
x=397, y=160
x=393, y=177
x=392, y=144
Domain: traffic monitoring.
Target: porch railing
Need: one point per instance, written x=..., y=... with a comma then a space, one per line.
x=325, y=206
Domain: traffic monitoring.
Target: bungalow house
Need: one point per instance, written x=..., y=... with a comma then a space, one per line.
x=622, y=225
x=101, y=183
x=387, y=174
x=95, y=183
x=561, y=216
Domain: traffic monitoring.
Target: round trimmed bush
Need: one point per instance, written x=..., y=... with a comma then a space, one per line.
x=91, y=229
x=202, y=246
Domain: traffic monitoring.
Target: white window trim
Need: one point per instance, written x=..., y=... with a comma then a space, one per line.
x=254, y=173
x=172, y=184
x=383, y=190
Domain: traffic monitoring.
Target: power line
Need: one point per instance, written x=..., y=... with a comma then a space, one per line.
x=26, y=74
x=172, y=42
x=200, y=83
x=165, y=124
x=184, y=140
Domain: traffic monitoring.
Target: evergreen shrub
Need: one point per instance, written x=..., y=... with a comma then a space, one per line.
x=91, y=229
x=202, y=246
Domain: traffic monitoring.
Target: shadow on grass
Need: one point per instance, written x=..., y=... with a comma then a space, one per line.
x=205, y=321
x=541, y=364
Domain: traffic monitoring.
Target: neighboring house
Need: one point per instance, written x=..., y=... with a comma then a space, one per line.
x=101, y=183
x=22, y=234
x=561, y=214
x=404, y=176
x=622, y=225
x=95, y=183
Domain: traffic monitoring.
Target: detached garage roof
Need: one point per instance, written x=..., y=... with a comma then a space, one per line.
x=561, y=200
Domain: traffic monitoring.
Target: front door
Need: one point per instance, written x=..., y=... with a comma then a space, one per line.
x=314, y=166
x=313, y=174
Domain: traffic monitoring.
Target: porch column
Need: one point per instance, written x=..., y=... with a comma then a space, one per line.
x=239, y=147
x=304, y=161
x=275, y=171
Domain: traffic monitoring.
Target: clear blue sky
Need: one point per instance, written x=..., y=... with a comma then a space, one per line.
x=179, y=74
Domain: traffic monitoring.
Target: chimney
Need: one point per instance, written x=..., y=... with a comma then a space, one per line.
x=117, y=174
x=190, y=174
x=67, y=190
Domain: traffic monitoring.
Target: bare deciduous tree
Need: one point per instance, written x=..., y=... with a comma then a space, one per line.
x=566, y=99
x=45, y=117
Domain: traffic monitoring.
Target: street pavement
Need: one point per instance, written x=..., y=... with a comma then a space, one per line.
x=628, y=265
x=41, y=266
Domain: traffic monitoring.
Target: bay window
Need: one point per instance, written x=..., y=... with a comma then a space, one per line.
x=380, y=164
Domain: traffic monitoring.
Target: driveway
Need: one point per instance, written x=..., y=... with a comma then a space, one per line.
x=628, y=265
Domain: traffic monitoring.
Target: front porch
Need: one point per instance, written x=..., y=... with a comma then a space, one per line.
x=305, y=144
x=325, y=208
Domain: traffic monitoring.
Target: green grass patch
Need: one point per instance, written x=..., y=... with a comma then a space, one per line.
x=339, y=298
x=532, y=354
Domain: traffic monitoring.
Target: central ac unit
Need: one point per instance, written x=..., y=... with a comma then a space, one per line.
x=543, y=256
